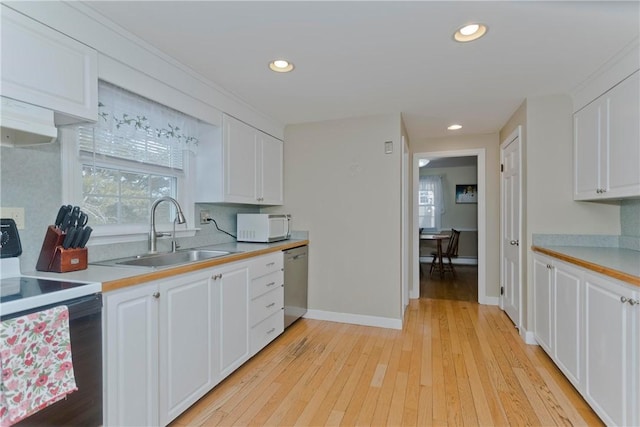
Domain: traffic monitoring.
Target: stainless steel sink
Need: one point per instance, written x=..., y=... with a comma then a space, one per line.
x=166, y=259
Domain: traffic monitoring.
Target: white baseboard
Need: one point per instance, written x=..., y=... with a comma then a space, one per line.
x=485, y=300
x=528, y=337
x=455, y=261
x=354, y=319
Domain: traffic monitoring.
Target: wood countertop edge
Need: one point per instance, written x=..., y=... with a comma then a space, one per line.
x=625, y=277
x=195, y=266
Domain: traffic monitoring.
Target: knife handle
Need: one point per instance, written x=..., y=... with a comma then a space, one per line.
x=86, y=233
x=77, y=238
x=70, y=238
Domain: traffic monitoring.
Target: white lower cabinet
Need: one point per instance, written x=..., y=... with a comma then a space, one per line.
x=567, y=322
x=558, y=314
x=266, y=308
x=130, y=334
x=612, y=328
x=589, y=324
x=187, y=342
x=231, y=285
x=542, y=302
x=167, y=343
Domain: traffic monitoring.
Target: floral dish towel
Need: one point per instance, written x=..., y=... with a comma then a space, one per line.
x=35, y=358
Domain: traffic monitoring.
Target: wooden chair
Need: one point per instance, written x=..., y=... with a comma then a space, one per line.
x=450, y=252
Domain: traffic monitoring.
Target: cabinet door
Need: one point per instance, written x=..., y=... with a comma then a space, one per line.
x=232, y=285
x=609, y=353
x=587, y=134
x=542, y=302
x=271, y=171
x=240, y=161
x=43, y=67
x=567, y=320
x=622, y=177
x=131, y=361
x=187, y=329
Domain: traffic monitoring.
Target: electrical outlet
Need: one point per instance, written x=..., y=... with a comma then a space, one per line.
x=17, y=214
x=204, y=216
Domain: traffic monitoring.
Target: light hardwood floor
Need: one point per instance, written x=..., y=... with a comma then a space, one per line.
x=461, y=287
x=454, y=363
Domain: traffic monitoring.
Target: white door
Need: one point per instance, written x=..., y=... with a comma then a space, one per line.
x=510, y=234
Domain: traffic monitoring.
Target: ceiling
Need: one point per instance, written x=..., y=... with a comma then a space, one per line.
x=365, y=58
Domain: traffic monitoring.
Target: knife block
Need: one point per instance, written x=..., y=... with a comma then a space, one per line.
x=65, y=260
x=53, y=257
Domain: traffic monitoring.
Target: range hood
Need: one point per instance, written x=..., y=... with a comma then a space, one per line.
x=25, y=124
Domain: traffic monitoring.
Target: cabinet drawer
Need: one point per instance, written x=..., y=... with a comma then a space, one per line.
x=266, y=331
x=265, y=305
x=267, y=283
x=267, y=264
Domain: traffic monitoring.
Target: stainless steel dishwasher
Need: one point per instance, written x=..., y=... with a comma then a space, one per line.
x=296, y=264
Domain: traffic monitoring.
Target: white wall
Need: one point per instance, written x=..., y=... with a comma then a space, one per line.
x=457, y=215
x=342, y=187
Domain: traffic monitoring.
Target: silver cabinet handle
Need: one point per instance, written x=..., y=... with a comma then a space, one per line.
x=270, y=264
x=270, y=305
x=270, y=284
x=217, y=276
x=633, y=302
x=156, y=295
x=270, y=331
x=514, y=243
x=623, y=299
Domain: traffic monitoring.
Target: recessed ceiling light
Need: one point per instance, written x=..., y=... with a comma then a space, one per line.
x=455, y=127
x=470, y=33
x=280, y=66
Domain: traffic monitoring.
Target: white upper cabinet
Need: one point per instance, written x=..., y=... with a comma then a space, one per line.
x=270, y=170
x=43, y=67
x=607, y=144
x=244, y=166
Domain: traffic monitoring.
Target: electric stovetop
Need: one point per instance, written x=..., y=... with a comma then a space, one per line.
x=19, y=292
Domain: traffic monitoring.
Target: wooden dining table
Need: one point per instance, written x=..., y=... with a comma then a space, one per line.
x=438, y=238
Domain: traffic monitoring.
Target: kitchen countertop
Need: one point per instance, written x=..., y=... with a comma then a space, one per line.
x=113, y=278
x=621, y=264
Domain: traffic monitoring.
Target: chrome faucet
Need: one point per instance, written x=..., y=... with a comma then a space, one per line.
x=153, y=234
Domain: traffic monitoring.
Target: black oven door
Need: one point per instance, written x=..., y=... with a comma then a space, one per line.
x=84, y=406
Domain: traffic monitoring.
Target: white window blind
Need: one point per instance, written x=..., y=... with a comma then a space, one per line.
x=136, y=129
x=430, y=202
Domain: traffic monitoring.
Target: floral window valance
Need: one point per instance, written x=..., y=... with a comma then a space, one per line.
x=134, y=128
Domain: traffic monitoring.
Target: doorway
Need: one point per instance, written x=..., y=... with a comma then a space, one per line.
x=479, y=156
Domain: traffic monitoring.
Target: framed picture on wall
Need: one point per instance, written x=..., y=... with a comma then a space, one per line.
x=466, y=193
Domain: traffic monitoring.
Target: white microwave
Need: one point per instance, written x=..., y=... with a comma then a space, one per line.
x=263, y=228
